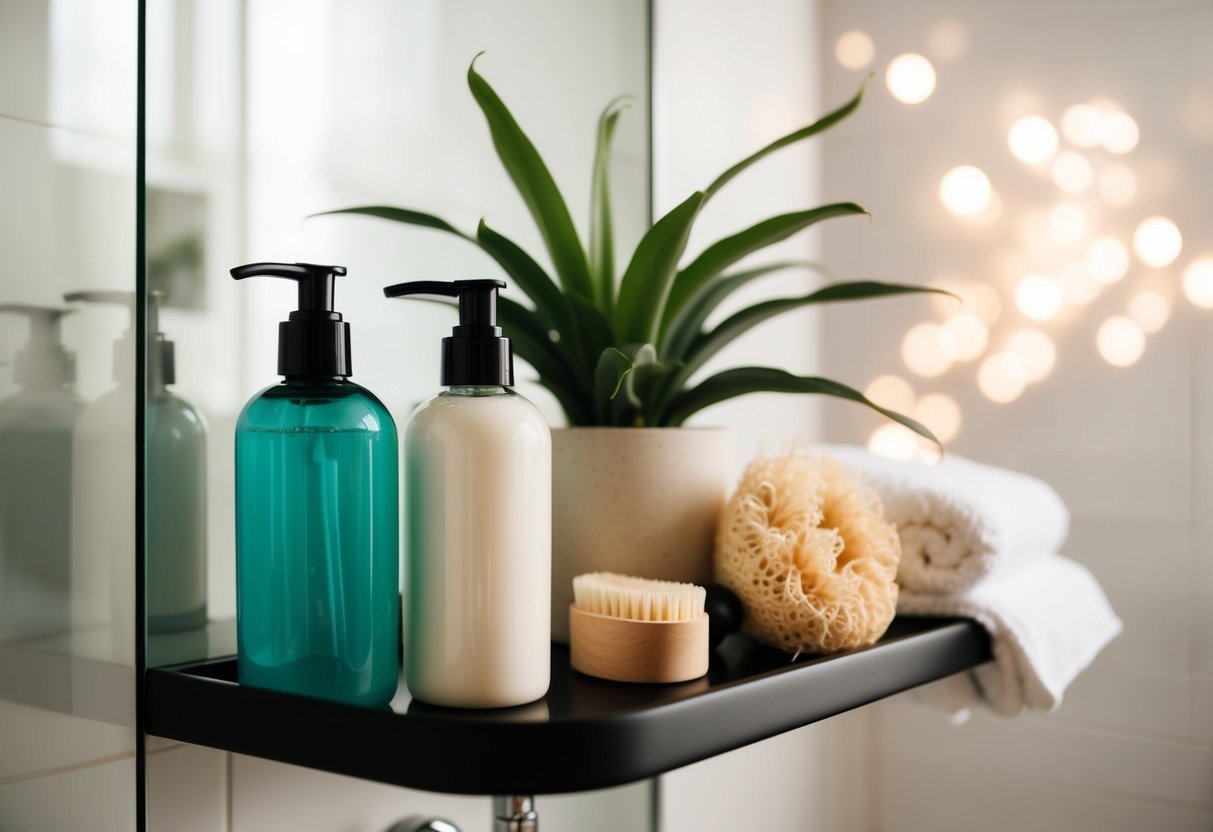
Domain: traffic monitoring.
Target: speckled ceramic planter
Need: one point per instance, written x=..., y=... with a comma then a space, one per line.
x=640, y=501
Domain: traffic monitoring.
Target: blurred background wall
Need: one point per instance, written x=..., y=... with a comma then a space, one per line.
x=1086, y=119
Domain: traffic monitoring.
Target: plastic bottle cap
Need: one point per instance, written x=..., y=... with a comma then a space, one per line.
x=314, y=342
x=475, y=353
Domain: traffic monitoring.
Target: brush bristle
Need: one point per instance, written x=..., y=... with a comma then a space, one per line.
x=637, y=599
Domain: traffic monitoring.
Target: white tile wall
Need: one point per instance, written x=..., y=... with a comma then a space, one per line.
x=187, y=788
x=1134, y=763
x=945, y=794
x=34, y=741
x=267, y=795
x=99, y=796
x=807, y=779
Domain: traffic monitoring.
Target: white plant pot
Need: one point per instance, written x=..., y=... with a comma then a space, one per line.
x=638, y=501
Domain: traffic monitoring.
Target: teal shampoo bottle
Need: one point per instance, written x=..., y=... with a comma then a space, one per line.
x=317, y=554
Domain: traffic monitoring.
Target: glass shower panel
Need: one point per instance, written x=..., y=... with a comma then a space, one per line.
x=68, y=91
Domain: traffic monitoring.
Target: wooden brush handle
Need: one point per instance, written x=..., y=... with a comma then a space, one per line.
x=638, y=651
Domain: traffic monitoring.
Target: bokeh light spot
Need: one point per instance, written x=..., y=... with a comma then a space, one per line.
x=1198, y=283
x=982, y=299
x=1035, y=352
x=927, y=350
x=894, y=442
x=1120, y=341
x=1039, y=297
x=1118, y=132
x=854, y=49
x=1032, y=140
x=965, y=191
x=1107, y=260
x=1072, y=172
x=1150, y=311
x=1157, y=242
x=969, y=335
x=1001, y=378
x=948, y=39
x=910, y=78
x=1082, y=125
x=891, y=392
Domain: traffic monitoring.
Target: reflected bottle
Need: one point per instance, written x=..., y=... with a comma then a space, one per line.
x=103, y=501
x=317, y=548
x=176, y=492
x=36, y=424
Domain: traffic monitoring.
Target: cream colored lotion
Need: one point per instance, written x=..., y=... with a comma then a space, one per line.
x=478, y=465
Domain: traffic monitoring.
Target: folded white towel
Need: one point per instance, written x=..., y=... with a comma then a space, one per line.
x=958, y=520
x=1047, y=621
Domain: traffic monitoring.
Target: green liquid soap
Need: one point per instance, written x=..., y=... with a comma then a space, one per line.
x=317, y=557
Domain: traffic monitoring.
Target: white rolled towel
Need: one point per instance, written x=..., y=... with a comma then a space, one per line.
x=1047, y=621
x=960, y=521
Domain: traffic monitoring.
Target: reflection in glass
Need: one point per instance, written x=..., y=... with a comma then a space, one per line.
x=175, y=450
x=68, y=90
x=103, y=497
x=36, y=424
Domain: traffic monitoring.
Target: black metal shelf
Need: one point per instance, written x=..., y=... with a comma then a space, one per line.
x=585, y=734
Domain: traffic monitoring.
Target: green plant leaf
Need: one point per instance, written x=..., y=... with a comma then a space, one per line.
x=621, y=378
x=532, y=343
x=526, y=274
x=719, y=256
x=687, y=324
x=535, y=184
x=742, y=381
x=405, y=215
x=602, y=241
x=589, y=333
x=707, y=344
x=646, y=282
x=613, y=368
x=823, y=123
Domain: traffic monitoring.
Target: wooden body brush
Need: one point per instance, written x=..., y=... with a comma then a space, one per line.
x=637, y=630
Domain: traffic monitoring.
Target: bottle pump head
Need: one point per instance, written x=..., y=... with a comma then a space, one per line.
x=161, y=354
x=475, y=353
x=124, y=347
x=314, y=342
x=43, y=363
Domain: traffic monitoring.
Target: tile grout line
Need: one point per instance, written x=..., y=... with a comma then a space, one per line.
x=47, y=772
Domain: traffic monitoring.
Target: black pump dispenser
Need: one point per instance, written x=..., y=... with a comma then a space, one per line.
x=43, y=362
x=475, y=354
x=314, y=342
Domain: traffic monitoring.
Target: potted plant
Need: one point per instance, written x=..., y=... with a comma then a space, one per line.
x=633, y=490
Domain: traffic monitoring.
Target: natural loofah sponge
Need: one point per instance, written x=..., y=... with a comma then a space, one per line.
x=808, y=551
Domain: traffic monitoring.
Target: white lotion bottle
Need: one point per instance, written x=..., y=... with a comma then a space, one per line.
x=478, y=548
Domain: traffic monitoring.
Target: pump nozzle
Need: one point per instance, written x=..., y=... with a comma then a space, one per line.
x=162, y=356
x=124, y=353
x=162, y=365
x=44, y=362
x=314, y=342
x=475, y=354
